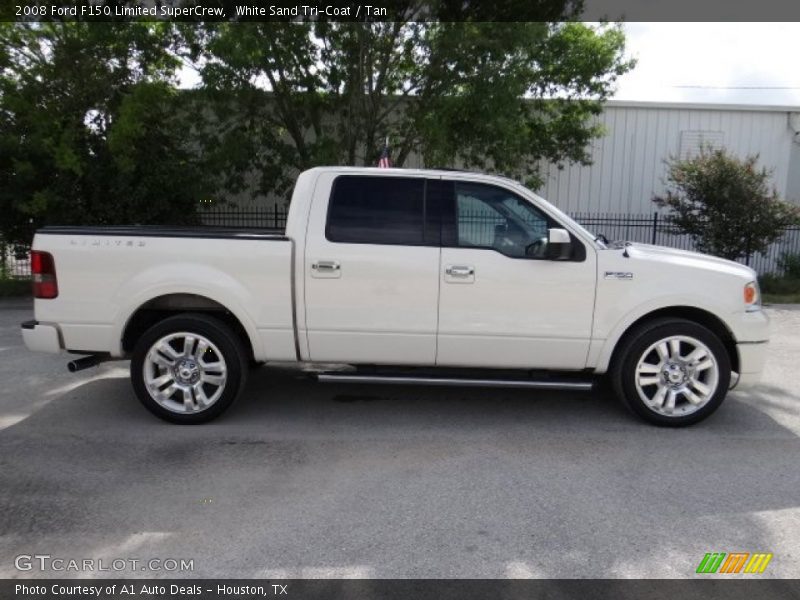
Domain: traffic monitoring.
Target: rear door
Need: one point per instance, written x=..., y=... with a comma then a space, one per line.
x=372, y=270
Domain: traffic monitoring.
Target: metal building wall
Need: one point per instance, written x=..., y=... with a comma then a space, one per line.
x=628, y=167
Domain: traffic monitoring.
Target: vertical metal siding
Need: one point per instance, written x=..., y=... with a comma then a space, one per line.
x=629, y=161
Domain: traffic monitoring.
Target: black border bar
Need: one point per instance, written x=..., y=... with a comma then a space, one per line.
x=393, y=10
x=705, y=587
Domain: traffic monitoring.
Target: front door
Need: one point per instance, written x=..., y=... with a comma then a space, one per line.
x=502, y=302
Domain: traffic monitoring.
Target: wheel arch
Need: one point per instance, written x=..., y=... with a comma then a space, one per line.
x=690, y=313
x=163, y=306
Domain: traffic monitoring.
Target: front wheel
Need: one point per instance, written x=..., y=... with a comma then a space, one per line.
x=672, y=372
x=188, y=368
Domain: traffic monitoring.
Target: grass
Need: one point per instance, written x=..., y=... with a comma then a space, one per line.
x=781, y=298
x=14, y=287
x=780, y=290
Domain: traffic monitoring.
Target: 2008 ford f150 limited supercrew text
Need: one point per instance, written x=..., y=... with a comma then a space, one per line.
x=400, y=276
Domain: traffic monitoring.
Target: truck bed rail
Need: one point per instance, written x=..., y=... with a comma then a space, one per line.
x=242, y=233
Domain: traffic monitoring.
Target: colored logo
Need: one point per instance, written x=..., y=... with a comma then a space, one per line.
x=734, y=562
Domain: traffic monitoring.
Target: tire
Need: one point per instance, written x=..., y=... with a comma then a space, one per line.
x=668, y=385
x=189, y=368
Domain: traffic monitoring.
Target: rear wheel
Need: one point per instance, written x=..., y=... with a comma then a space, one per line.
x=188, y=368
x=672, y=372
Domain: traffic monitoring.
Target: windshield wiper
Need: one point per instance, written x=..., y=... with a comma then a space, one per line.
x=601, y=238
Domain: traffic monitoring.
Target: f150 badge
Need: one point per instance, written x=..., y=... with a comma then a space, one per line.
x=618, y=275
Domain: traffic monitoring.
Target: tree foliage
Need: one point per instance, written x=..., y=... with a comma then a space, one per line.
x=725, y=204
x=504, y=97
x=93, y=129
x=90, y=127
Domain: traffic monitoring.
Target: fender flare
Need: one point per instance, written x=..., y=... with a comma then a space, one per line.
x=602, y=350
x=216, y=286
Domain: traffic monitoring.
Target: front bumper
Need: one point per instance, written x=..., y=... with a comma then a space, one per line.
x=751, y=326
x=751, y=330
x=39, y=337
x=752, y=357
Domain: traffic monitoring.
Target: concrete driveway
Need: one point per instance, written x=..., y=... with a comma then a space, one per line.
x=302, y=479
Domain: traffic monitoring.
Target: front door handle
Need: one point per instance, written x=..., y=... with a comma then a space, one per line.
x=326, y=269
x=459, y=274
x=459, y=271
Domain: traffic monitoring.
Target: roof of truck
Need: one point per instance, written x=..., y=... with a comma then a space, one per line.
x=441, y=172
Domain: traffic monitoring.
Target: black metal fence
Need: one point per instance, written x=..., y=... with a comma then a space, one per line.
x=644, y=228
x=15, y=261
x=273, y=217
x=650, y=228
x=656, y=229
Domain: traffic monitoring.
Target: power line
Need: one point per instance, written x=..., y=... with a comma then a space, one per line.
x=738, y=87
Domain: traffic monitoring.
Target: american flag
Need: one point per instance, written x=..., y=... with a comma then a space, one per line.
x=384, y=162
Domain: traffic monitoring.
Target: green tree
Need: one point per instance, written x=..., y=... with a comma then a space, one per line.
x=505, y=97
x=90, y=127
x=725, y=204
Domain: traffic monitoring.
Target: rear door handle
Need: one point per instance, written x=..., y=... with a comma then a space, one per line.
x=326, y=269
x=459, y=274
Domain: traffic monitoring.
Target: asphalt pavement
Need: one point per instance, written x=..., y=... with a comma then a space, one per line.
x=302, y=479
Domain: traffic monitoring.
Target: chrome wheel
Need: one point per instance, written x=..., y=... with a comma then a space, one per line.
x=185, y=372
x=677, y=376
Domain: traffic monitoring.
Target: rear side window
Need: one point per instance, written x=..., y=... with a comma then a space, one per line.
x=376, y=210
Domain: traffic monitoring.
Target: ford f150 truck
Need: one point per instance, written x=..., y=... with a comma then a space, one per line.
x=400, y=276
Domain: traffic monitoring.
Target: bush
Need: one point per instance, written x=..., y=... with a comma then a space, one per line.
x=785, y=287
x=790, y=265
x=780, y=289
x=725, y=204
x=777, y=285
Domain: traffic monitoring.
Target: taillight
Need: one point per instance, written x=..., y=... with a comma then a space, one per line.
x=43, y=269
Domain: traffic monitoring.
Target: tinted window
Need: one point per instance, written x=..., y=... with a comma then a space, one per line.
x=376, y=210
x=491, y=217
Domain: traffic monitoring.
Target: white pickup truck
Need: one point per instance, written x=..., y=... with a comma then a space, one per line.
x=400, y=276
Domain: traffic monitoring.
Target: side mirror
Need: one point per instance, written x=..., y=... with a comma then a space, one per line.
x=559, y=246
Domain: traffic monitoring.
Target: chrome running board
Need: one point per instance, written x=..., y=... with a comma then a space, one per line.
x=452, y=381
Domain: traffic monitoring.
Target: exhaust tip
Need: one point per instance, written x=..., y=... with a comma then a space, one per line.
x=83, y=363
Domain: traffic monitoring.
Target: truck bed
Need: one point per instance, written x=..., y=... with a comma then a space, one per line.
x=106, y=274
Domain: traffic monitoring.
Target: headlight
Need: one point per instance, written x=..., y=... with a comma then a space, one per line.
x=752, y=296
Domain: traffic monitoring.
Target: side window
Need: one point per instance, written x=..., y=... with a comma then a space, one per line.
x=491, y=217
x=376, y=210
